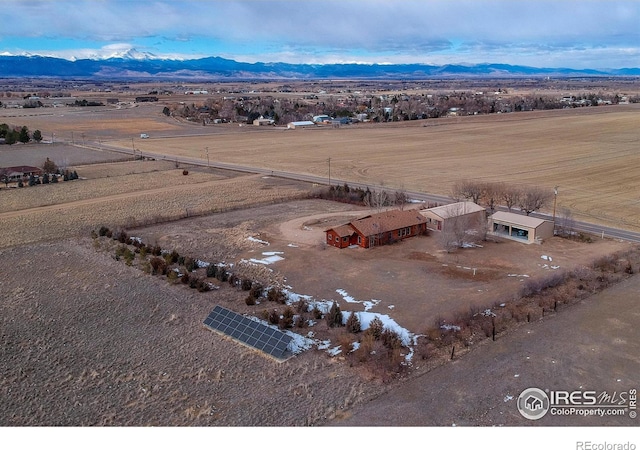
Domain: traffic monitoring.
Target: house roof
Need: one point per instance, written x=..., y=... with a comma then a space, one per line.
x=517, y=219
x=302, y=123
x=343, y=230
x=19, y=170
x=387, y=221
x=455, y=209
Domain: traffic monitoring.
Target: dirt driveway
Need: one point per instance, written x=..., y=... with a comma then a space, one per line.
x=413, y=281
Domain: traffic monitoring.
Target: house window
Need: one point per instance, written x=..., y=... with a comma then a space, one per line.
x=337, y=238
x=359, y=239
x=345, y=239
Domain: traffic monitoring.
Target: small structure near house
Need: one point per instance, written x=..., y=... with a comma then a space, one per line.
x=518, y=227
x=261, y=122
x=441, y=217
x=377, y=229
x=321, y=118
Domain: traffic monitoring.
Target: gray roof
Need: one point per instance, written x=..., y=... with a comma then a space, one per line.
x=517, y=219
x=455, y=209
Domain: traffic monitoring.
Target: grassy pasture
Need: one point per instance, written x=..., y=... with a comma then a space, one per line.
x=71, y=208
x=590, y=153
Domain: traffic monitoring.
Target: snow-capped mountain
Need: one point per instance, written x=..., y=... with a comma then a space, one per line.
x=125, y=62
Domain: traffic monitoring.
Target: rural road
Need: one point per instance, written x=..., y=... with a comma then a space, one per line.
x=586, y=227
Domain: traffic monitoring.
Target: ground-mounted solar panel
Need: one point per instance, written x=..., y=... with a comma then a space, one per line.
x=249, y=332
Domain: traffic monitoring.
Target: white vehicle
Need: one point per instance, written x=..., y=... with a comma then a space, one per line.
x=144, y=136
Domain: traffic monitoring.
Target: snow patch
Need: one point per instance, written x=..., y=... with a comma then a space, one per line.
x=269, y=258
x=259, y=241
x=368, y=304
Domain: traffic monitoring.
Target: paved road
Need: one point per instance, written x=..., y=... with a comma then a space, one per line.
x=585, y=227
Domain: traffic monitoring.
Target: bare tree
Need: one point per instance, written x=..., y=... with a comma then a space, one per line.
x=469, y=190
x=461, y=230
x=565, y=222
x=492, y=193
x=377, y=199
x=400, y=199
x=533, y=199
x=510, y=195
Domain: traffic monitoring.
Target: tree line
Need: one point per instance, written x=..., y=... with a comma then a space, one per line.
x=378, y=108
x=11, y=135
x=492, y=194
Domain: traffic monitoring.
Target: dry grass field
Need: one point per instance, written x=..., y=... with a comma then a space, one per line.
x=87, y=340
x=66, y=209
x=590, y=153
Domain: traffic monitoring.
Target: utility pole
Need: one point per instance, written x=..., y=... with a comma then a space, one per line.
x=134, y=149
x=555, y=199
x=207, y=156
x=329, y=161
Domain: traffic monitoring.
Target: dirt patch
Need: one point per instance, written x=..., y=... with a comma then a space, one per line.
x=102, y=343
x=589, y=346
x=91, y=341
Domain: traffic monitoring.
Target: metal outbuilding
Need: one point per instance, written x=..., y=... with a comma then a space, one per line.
x=526, y=229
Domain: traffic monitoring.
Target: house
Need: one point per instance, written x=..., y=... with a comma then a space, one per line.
x=526, y=229
x=18, y=173
x=300, y=124
x=441, y=217
x=342, y=236
x=377, y=229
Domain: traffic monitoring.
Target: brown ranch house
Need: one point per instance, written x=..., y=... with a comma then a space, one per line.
x=378, y=229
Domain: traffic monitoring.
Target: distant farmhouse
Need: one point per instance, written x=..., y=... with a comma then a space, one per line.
x=441, y=218
x=18, y=173
x=378, y=229
x=146, y=98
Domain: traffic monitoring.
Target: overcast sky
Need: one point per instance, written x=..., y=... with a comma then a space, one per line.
x=542, y=33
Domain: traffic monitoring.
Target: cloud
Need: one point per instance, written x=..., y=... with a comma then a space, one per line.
x=407, y=30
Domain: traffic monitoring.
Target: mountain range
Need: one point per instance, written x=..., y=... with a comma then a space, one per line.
x=140, y=66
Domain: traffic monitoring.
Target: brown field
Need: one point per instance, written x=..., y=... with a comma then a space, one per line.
x=591, y=154
x=70, y=208
x=88, y=340
x=591, y=347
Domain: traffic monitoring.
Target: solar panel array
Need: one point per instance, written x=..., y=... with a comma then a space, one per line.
x=255, y=334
